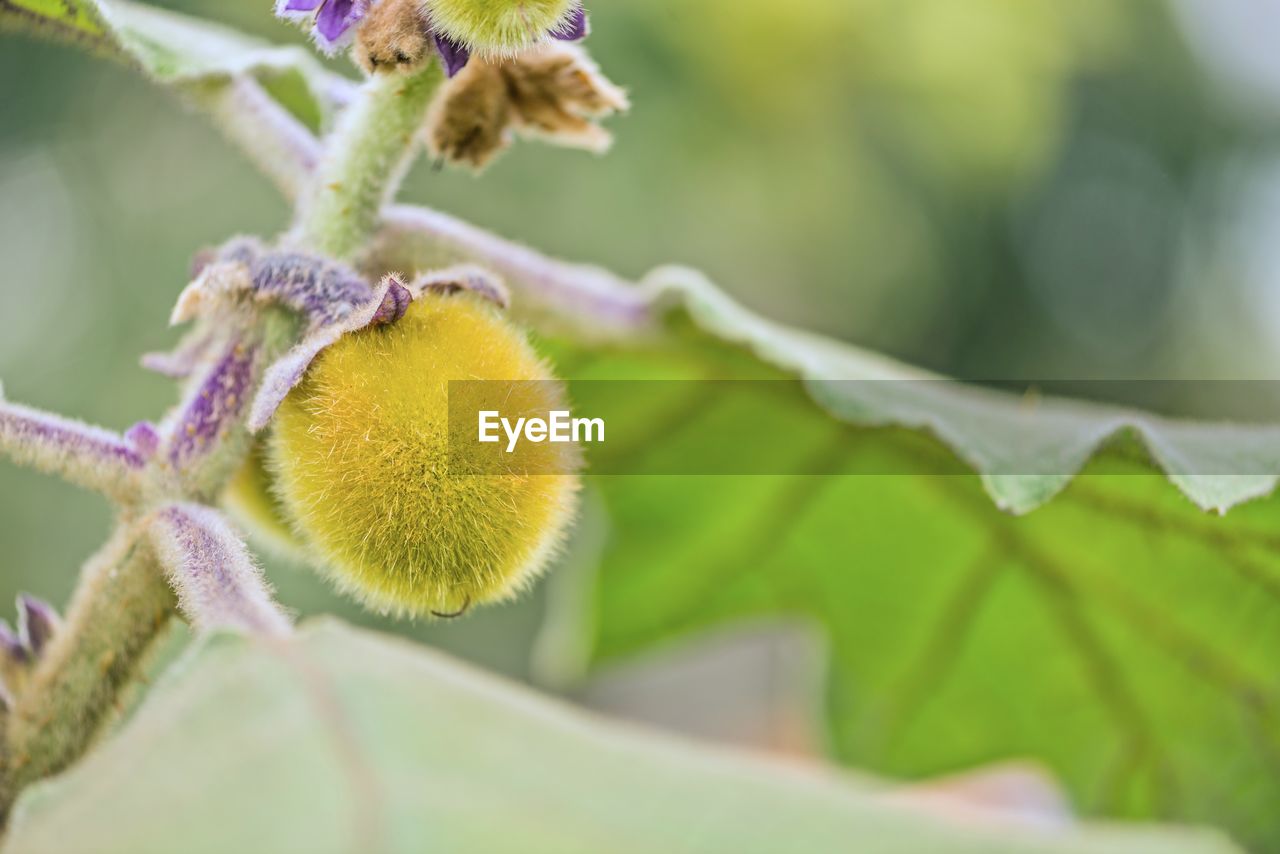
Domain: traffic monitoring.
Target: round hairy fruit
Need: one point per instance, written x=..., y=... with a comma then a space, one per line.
x=402, y=518
x=499, y=26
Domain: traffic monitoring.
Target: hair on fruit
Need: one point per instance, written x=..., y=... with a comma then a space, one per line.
x=364, y=469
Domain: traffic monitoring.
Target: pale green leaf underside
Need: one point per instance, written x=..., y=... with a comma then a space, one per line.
x=1025, y=457
x=345, y=741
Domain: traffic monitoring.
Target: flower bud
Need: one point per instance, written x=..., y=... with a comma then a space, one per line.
x=365, y=471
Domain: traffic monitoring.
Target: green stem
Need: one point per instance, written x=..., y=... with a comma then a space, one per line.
x=119, y=609
x=365, y=159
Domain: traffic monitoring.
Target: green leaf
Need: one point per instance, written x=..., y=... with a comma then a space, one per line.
x=195, y=57
x=1119, y=633
x=71, y=20
x=343, y=741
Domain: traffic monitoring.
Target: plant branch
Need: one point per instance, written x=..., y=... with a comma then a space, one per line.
x=119, y=609
x=598, y=303
x=86, y=456
x=365, y=159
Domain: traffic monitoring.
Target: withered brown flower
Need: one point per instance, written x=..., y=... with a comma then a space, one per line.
x=555, y=93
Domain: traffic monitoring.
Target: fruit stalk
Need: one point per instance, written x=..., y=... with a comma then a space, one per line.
x=364, y=162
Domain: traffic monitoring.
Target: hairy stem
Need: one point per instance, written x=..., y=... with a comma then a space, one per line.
x=364, y=162
x=118, y=611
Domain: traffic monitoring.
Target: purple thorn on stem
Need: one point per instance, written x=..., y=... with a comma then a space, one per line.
x=144, y=437
x=203, y=258
x=11, y=646
x=38, y=622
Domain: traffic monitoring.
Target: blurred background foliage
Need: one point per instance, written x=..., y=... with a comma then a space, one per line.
x=1032, y=190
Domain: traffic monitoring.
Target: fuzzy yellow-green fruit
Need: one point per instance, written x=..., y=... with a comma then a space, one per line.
x=499, y=27
x=251, y=500
x=367, y=475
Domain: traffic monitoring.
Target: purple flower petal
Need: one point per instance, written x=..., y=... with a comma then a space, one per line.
x=296, y=9
x=574, y=28
x=336, y=17
x=453, y=55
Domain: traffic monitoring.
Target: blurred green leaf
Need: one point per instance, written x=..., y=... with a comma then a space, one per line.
x=346, y=741
x=180, y=51
x=1118, y=633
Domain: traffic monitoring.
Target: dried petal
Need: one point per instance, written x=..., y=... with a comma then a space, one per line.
x=555, y=93
x=470, y=122
x=394, y=35
x=215, y=282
